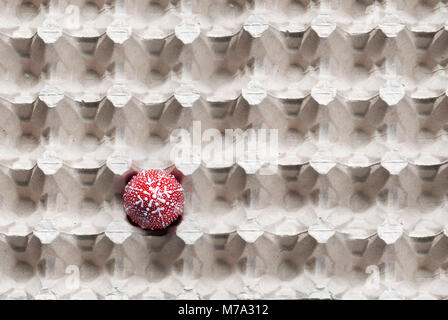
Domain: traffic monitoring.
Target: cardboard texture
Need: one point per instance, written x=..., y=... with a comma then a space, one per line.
x=352, y=206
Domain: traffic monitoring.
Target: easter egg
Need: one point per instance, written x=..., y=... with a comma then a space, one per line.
x=153, y=199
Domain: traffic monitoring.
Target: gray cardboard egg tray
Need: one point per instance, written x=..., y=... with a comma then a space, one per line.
x=352, y=206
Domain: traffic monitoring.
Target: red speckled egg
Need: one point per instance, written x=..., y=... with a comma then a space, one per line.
x=153, y=199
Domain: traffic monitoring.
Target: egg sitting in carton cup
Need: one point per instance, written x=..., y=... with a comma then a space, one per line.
x=153, y=200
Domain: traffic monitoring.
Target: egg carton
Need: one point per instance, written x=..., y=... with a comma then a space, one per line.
x=387, y=94
x=247, y=264
x=289, y=201
x=349, y=205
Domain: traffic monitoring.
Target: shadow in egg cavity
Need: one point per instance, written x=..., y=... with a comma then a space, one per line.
x=128, y=176
x=176, y=173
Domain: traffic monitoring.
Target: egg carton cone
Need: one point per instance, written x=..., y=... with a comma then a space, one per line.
x=346, y=198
